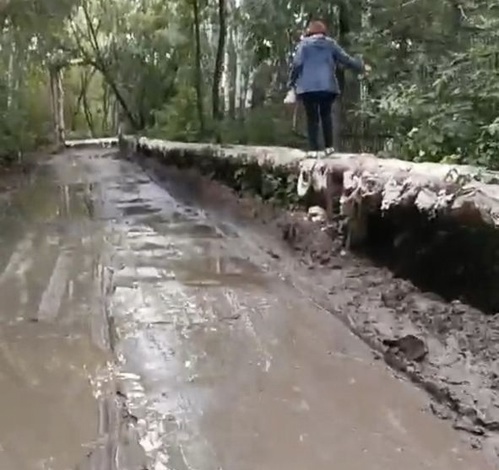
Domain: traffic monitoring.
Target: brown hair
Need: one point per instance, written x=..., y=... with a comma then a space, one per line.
x=316, y=27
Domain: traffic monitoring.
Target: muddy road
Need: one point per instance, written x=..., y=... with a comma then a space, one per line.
x=139, y=331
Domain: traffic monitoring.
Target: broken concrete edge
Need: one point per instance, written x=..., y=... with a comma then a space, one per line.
x=268, y=172
x=361, y=183
x=106, y=142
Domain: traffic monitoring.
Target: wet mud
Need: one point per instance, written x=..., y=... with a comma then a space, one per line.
x=151, y=320
x=447, y=346
x=51, y=343
x=366, y=298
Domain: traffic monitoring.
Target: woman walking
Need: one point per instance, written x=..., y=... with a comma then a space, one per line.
x=313, y=77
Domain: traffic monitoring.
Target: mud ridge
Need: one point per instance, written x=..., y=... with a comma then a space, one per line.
x=320, y=246
x=460, y=370
x=462, y=341
x=442, y=319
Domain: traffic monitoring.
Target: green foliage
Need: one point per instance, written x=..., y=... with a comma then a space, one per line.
x=273, y=184
x=268, y=125
x=26, y=118
x=177, y=120
x=442, y=102
x=433, y=93
x=29, y=31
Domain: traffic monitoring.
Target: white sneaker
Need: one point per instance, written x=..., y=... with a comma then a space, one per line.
x=312, y=154
x=329, y=151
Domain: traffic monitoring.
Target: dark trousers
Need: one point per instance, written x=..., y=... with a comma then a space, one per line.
x=318, y=106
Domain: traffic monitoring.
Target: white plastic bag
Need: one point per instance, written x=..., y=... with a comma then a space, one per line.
x=304, y=182
x=290, y=97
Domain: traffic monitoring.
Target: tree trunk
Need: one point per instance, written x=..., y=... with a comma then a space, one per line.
x=77, y=109
x=217, y=74
x=53, y=100
x=352, y=85
x=88, y=116
x=343, y=29
x=60, y=108
x=115, y=118
x=240, y=76
x=199, y=71
x=57, y=99
x=100, y=64
x=232, y=75
x=105, y=109
x=119, y=96
x=10, y=74
x=86, y=77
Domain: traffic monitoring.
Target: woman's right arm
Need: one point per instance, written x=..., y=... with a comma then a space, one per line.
x=296, y=66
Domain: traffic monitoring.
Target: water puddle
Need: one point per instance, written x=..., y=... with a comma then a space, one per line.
x=187, y=229
x=217, y=271
x=140, y=209
x=49, y=353
x=48, y=406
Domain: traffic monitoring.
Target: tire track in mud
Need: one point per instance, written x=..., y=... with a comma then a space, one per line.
x=50, y=303
x=139, y=331
x=164, y=416
x=117, y=446
x=20, y=254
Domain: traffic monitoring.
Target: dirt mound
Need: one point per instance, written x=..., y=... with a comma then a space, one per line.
x=316, y=242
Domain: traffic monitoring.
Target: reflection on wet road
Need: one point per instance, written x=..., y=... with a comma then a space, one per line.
x=114, y=292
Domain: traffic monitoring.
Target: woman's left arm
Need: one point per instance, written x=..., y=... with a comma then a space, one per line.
x=341, y=56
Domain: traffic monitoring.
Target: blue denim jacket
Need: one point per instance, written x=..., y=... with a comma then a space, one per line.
x=314, y=65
